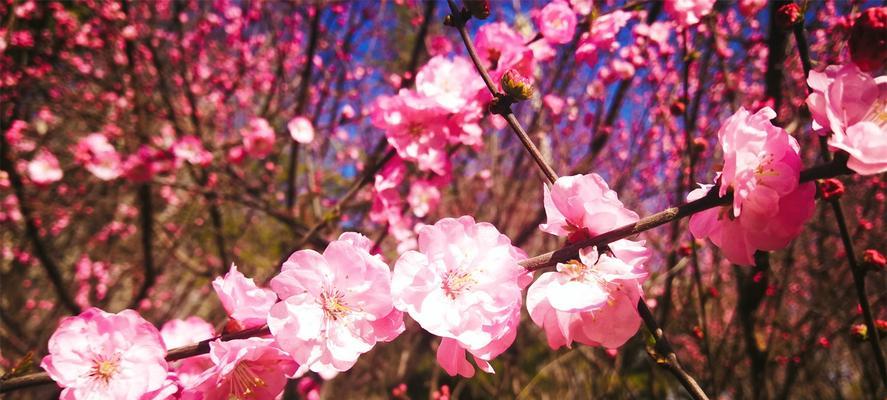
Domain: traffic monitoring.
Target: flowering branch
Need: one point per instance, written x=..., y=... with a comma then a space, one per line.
x=191, y=350
x=711, y=200
x=563, y=254
x=857, y=271
x=502, y=106
x=502, y=102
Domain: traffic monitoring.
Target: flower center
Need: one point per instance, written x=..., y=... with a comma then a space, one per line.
x=878, y=113
x=456, y=282
x=103, y=369
x=244, y=381
x=333, y=303
x=415, y=129
x=765, y=167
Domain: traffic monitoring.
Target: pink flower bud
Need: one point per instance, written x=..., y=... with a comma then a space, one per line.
x=859, y=332
x=831, y=188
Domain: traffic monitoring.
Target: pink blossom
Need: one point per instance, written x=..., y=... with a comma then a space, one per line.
x=602, y=36
x=336, y=305
x=182, y=332
x=415, y=128
x=309, y=388
x=582, y=206
x=582, y=7
x=178, y=333
x=762, y=167
x=301, y=129
x=387, y=201
x=844, y=95
x=851, y=104
x=557, y=22
x=750, y=8
x=241, y=369
x=258, y=138
x=190, y=149
x=245, y=302
x=449, y=89
x=439, y=45
x=464, y=284
x=688, y=12
x=423, y=198
x=866, y=142
x=591, y=300
x=98, y=156
x=502, y=48
x=450, y=84
x=554, y=103
x=102, y=355
x=44, y=168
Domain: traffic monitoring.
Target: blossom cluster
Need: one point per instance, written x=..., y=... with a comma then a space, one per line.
x=464, y=283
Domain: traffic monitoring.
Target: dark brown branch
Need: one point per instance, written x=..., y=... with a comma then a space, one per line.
x=304, y=86
x=31, y=230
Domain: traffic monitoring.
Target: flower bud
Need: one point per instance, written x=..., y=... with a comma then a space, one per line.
x=881, y=326
x=831, y=189
x=700, y=146
x=874, y=260
x=788, y=15
x=868, y=39
x=859, y=332
x=479, y=9
x=678, y=107
x=516, y=85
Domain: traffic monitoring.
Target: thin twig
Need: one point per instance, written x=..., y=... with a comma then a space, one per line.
x=857, y=271
x=458, y=19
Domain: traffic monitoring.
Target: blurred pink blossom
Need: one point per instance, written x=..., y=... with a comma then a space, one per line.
x=688, y=12
x=423, y=198
x=301, y=130
x=190, y=149
x=602, y=36
x=557, y=22
x=258, y=138
x=98, y=156
x=44, y=168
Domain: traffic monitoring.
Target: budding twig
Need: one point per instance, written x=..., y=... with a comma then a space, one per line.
x=857, y=271
x=457, y=19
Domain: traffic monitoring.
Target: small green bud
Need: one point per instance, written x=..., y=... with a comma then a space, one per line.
x=516, y=85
